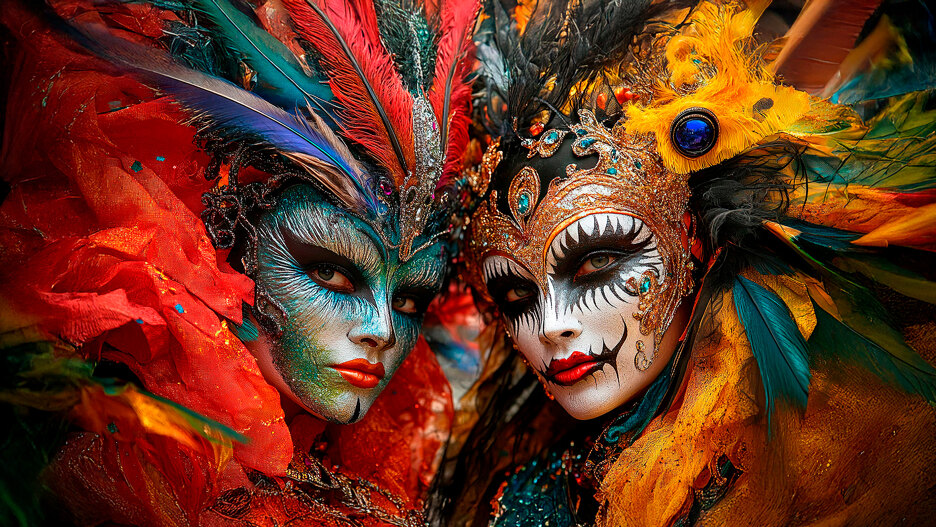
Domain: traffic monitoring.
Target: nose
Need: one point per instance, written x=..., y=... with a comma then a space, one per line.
x=559, y=328
x=374, y=332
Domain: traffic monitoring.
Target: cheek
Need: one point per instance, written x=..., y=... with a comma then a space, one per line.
x=406, y=331
x=525, y=335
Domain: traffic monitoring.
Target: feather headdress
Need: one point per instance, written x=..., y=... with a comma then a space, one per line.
x=815, y=219
x=788, y=171
x=368, y=100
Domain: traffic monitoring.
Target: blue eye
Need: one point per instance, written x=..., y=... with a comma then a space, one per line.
x=694, y=132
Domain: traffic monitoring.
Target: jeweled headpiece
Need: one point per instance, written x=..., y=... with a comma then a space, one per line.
x=530, y=202
x=659, y=109
x=365, y=99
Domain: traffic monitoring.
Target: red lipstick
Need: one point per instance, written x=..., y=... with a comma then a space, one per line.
x=360, y=373
x=572, y=369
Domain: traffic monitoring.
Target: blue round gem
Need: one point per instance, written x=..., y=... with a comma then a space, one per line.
x=612, y=171
x=694, y=132
x=551, y=137
x=645, y=285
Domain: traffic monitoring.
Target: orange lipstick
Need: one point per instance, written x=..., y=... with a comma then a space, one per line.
x=361, y=373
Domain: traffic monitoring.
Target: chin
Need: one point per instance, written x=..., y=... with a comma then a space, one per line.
x=345, y=409
x=598, y=394
x=592, y=404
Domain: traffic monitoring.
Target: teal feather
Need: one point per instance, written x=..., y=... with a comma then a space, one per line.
x=247, y=330
x=907, y=371
x=826, y=247
x=411, y=39
x=779, y=348
x=281, y=79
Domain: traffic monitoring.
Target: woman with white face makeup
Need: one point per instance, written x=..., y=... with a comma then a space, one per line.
x=671, y=240
x=258, y=199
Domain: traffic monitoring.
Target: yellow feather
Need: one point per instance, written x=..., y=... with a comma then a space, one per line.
x=711, y=66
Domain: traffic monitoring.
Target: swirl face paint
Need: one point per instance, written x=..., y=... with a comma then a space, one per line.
x=352, y=309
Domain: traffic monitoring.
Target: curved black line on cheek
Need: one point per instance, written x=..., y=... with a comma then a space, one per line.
x=357, y=412
x=624, y=338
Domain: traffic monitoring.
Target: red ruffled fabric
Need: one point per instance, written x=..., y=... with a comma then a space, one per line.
x=103, y=247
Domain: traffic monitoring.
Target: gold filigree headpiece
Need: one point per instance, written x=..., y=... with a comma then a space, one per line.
x=628, y=178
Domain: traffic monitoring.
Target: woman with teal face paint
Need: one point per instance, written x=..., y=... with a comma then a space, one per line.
x=259, y=208
x=350, y=306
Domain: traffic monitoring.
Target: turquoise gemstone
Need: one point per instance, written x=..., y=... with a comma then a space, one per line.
x=551, y=137
x=645, y=285
x=523, y=203
x=638, y=164
x=581, y=131
x=587, y=142
x=612, y=171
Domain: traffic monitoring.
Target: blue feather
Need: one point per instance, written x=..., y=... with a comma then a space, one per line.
x=779, y=348
x=281, y=79
x=220, y=105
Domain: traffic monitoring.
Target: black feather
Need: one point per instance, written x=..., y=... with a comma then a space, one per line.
x=411, y=39
x=563, y=44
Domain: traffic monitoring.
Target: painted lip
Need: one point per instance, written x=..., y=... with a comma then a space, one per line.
x=571, y=369
x=361, y=373
x=575, y=367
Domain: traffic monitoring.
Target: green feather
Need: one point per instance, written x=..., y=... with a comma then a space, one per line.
x=820, y=245
x=779, y=348
x=281, y=79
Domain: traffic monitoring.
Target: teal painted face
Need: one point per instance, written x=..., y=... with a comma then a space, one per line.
x=352, y=309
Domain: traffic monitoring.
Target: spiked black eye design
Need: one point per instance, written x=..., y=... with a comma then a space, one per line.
x=694, y=132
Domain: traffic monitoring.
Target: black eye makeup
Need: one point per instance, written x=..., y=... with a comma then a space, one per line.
x=413, y=300
x=513, y=294
x=595, y=263
x=596, y=245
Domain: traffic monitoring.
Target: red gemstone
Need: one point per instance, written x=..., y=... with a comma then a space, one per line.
x=536, y=129
x=623, y=95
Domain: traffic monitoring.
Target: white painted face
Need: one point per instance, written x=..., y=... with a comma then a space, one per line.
x=579, y=333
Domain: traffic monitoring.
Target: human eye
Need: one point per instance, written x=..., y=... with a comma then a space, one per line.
x=594, y=263
x=405, y=304
x=517, y=294
x=331, y=277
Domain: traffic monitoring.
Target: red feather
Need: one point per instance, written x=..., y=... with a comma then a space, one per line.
x=452, y=65
x=356, y=22
x=819, y=41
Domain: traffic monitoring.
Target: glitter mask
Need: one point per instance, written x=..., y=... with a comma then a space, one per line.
x=629, y=177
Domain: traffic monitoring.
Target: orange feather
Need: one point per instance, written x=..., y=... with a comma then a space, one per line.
x=820, y=39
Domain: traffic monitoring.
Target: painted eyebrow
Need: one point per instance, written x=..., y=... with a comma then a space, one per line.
x=631, y=232
x=333, y=231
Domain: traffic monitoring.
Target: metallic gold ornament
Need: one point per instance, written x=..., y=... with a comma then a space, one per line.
x=628, y=178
